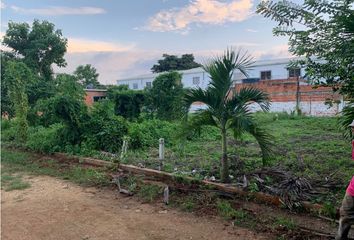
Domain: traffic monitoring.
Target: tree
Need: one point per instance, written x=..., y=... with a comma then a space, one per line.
x=16, y=75
x=87, y=76
x=226, y=111
x=172, y=62
x=322, y=32
x=164, y=98
x=66, y=106
x=38, y=46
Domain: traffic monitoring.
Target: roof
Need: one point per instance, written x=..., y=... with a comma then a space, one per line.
x=200, y=70
x=95, y=90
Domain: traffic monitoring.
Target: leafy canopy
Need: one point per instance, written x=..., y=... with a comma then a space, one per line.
x=173, y=62
x=87, y=76
x=164, y=98
x=38, y=46
x=322, y=32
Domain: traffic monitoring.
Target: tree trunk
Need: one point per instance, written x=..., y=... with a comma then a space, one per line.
x=224, y=160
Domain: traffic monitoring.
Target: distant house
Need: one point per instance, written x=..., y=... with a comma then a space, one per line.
x=286, y=86
x=94, y=95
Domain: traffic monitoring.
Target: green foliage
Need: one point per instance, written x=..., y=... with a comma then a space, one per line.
x=346, y=118
x=16, y=75
x=286, y=223
x=87, y=76
x=46, y=139
x=104, y=130
x=164, y=99
x=227, y=211
x=321, y=23
x=128, y=103
x=38, y=46
x=148, y=132
x=229, y=111
x=172, y=62
x=149, y=192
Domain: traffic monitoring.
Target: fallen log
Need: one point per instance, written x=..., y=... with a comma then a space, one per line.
x=169, y=177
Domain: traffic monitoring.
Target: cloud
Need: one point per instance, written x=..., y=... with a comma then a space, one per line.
x=113, y=65
x=279, y=51
x=199, y=12
x=58, y=11
x=2, y=5
x=251, y=30
x=77, y=45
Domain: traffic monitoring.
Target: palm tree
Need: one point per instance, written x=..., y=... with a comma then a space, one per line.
x=228, y=110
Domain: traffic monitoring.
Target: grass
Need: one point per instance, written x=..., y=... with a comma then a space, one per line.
x=310, y=147
x=284, y=222
x=11, y=182
x=149, y=193
x=15, y=162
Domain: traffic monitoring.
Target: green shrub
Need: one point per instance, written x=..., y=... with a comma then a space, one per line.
x=8, y=130
x=148, y=133
x=46, y=140
x=104, y=130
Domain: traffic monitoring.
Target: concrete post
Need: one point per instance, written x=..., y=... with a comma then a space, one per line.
x=161, y=152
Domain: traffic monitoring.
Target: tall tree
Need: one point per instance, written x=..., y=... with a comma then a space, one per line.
x=226, y=111
x=87, y=76
x=38, y=46
x=164, y=98
x=322, y=32
x=173, y=62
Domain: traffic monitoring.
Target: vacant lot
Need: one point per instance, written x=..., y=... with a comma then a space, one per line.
x=56, y=209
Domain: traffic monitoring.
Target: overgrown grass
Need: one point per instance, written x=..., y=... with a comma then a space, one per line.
x=15, y=162
x=11, y=182
x=310, y=147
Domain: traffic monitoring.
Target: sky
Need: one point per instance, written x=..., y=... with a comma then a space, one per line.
x=126, y=38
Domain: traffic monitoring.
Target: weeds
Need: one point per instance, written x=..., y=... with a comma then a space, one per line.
x=149, y=193
x=11, y=182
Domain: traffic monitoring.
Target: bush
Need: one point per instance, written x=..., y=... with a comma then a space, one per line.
x=148, y=133
x=45, y=140
x=105, y=131
x=8, y=130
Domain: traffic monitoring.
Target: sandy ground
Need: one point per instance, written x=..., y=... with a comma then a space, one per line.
x=56, y=209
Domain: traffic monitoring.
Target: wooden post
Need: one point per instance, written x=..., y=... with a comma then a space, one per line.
x=161, y=152
x=166, y=195
x=124, y=149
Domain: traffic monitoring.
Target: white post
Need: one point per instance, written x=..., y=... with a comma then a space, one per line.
x=124, y=149
x=161, y=152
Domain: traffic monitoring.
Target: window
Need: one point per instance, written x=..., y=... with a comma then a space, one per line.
x=148, y=84
x=294, y=72
x=135, y=86
x=98, y=98
x=196, y=80
x=266, y=75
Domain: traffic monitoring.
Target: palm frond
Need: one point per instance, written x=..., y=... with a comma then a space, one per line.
x=199, y=95
x=247, y=96
x=221, y=70
x=265, y=141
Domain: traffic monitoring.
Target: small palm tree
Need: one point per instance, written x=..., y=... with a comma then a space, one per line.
x=228, y=110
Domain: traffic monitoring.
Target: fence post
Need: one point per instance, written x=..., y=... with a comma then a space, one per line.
x=161, y=152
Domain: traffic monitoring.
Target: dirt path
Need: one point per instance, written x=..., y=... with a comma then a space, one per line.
x=56, y=209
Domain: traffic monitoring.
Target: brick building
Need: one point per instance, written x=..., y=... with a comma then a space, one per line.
x=94, y=95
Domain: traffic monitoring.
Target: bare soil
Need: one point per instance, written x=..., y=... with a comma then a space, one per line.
x=56, y=209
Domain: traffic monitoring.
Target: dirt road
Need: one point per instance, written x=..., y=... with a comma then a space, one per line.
x=53, y=209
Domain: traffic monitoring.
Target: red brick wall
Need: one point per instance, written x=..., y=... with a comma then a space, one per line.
x=90, y=94
x=284, y=90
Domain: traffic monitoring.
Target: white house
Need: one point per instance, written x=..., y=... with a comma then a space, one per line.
x=286, y=86
x=197, y=77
